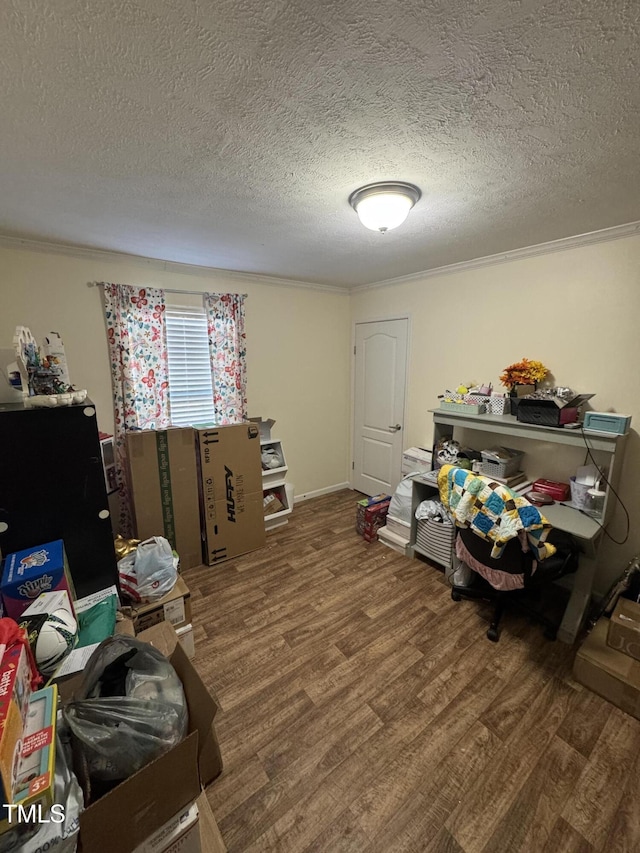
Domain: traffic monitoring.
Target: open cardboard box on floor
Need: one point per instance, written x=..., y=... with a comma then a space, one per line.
x=122, y=819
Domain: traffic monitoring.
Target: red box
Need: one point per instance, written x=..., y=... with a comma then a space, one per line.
x=558, y=491
x=371, y=516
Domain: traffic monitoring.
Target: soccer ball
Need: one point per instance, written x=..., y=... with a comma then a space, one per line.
x=56, y=638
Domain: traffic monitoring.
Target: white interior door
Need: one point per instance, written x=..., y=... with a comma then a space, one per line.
x=380, y=377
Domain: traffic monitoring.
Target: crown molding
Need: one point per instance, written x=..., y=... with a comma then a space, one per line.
x=163, y=266
x=616, y=232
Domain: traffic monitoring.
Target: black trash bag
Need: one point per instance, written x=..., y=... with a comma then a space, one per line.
x=129, y=709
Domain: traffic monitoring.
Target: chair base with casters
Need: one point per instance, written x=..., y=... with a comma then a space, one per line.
x=563, y=562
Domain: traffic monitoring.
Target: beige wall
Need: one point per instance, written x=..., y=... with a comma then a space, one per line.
x=575, y=310
x=297, y=346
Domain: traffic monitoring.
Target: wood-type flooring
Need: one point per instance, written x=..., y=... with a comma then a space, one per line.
x=363, y=710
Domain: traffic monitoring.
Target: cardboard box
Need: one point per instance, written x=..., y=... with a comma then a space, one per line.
x=49, y=602
x=187, y=640
x=608, y=672
x=371, y=515
x=133, y=811
x=392, y=540
x=231, y=491
x=164, y=488
x=27, y=574
x=624, y=628
x=15, y=692
x=400, y=528
x=35, y=777
x=271, y=503
x=416, y=459
x=550, y=412
x=174, y=607
x=210, y=836
x=264, y=427
x=180, y=833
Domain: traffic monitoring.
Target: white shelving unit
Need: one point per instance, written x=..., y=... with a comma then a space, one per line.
x=273, y=479
x=587, y=531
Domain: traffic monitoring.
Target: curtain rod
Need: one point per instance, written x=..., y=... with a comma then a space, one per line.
x=169, y=290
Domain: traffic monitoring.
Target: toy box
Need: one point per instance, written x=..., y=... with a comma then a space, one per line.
x=15, y=691
x=36, y=770
x=27, y=574
x=371, y=515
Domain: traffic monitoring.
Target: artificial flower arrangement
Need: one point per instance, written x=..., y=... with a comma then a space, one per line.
x=523, y=372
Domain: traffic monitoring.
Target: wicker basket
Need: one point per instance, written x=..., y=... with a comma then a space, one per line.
x=501, y=469
x=464, y=408
x=499, y=405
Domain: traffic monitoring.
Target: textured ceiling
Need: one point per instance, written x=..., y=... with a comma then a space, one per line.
x=231, y=133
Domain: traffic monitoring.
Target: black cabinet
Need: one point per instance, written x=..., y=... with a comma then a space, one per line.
x=52, y=487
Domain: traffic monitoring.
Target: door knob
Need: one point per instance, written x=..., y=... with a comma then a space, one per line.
x=395, y=428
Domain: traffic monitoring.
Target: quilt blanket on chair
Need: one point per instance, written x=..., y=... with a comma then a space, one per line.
x=493, y=511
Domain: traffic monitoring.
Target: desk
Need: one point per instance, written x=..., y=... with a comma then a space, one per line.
x=587, y=531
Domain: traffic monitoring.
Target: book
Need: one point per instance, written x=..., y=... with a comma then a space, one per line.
x=512, y=480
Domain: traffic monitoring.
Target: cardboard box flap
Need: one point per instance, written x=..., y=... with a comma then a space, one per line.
x=210, y=834
x=144, y=802
x=573, y=403
x=203, y=706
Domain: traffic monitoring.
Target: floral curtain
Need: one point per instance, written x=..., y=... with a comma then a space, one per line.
x=138, y=354
x=228, y=355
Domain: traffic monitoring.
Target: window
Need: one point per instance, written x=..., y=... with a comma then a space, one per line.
x=191, y=389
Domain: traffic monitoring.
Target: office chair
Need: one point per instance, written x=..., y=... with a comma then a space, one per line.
x=519, y=565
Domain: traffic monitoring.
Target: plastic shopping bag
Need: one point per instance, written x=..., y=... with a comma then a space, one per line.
x=149, y=572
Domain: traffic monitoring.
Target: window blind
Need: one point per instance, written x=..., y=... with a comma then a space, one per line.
x=191, y=390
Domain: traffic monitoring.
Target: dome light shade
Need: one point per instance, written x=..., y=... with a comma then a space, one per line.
x=384, y=205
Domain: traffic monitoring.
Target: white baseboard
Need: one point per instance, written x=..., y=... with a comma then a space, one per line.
x=319, y=492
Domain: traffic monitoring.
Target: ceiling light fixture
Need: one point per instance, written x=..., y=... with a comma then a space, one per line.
x=384, y=205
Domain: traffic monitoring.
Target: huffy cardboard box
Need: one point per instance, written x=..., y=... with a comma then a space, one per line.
x=624, y=628
x=26, y=574
x=129, y=814
x=164, y=483
x=231, y=491
x=174, y=607
x=608, y=672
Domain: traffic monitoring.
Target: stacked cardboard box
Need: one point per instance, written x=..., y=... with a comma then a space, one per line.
x=608, y=662
x=199, y=488
x=164, y=485
x=371, y=515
